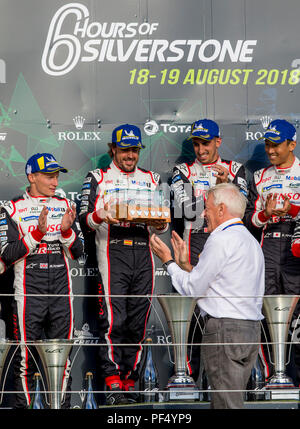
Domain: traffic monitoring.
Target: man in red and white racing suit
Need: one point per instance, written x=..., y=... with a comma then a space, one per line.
x=189, y=184
x=38, y=235
x=125, y=261
x=273, y=206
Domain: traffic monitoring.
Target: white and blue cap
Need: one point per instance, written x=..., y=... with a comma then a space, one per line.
x=126, y=136
x=205, y=129
x=280, y=130
x=43, y=163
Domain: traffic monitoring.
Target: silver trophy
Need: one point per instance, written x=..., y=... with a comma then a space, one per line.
x=178, y=311
x=278, y=311
x=54, y=355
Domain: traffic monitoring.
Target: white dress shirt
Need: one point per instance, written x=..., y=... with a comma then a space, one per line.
x=229, y=279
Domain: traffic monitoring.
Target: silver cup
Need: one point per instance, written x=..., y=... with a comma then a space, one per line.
x=278, y=310
x=178, y=311
x=54, y=354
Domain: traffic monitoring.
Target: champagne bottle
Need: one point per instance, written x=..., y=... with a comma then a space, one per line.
x=89, y=401
x=149, y=376
x=36, y=402
x=256, y=382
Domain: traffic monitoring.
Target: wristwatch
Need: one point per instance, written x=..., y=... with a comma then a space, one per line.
x=165, y=264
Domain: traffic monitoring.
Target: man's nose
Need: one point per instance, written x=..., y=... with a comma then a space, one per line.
x=270, y=150
x=130, y=153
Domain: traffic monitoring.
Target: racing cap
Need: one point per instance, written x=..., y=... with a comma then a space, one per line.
x=43, y=163
x=126, y=136
x=280, y=130
x=205, y=129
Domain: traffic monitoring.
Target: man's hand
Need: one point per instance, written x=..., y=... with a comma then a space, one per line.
x=42, y=224
x=270, y=206
x=68, y=218
x=107, y=214
x=160, y=249
x=222, y=173
x=180, y=252
x=285, y=209
x=296, y=248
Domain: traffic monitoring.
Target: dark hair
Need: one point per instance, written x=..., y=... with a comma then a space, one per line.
x=110, y=152
x=113, y=145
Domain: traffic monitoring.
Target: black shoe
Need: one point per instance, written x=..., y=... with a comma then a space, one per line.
x=116, y=397
x=129, y=391
x=132, y=396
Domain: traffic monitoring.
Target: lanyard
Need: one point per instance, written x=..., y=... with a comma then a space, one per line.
x=233, y=224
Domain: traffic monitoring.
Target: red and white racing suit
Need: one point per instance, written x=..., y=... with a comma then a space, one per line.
x=126, y=266
x=276, y=233
x=189, y=184
x=41, y=269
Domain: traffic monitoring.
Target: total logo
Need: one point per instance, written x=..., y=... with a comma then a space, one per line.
x=256, y=135
x=79, y=135
x=151, y=128
x=73, y=196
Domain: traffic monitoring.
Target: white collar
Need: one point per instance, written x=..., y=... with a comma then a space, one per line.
x=227, y=223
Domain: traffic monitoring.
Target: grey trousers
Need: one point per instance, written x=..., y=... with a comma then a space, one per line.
x=228, y=366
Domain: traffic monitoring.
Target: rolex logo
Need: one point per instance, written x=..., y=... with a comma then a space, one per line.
x=78, y=122
x=255, y=134
x=265, y=121
x=79, y=136
x=82, y=259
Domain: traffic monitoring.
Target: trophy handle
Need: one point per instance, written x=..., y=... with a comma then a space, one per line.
x=292, y=337
x=200, y=327
x=8, y=366
x=267, y=344
x=39, y=370
x=156, y=312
